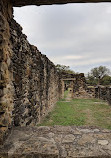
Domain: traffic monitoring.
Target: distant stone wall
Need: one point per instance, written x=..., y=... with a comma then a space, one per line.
x=79, y=88
x=91, y=91
x=103, y=93
x=78, y=85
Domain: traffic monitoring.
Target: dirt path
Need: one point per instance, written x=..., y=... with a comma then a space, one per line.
x=69, y=96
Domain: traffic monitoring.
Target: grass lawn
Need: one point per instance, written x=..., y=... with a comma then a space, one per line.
x=91, y=112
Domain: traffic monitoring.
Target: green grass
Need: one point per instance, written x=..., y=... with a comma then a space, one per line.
x=91, y=112
x=65, y=95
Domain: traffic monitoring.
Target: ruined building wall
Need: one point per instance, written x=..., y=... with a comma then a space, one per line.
x=78, y=86
x=35, y=80
x=29, y=82
x=6, y=76
x=103, y=93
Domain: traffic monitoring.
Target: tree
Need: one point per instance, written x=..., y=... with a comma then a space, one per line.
x=91, y=80
x=63, y=68
x=99, y=72
x=106, y=80
x=96, y=75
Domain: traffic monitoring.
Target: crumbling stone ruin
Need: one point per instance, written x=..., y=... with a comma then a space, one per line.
x=29, y=83
x=103, y=93
x=77, y=84
x=80, y=89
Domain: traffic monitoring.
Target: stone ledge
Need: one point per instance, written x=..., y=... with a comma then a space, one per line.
x=57, y=142
x=20, y=3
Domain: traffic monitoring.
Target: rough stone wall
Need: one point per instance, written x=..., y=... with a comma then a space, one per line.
x=6, y=76
x=78, y=84
x=91, y=91
x=29, y=82
x=50, y=2
x=103, y=93
x=35, y=80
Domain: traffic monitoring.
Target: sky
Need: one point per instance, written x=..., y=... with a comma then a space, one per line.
x=76, y=35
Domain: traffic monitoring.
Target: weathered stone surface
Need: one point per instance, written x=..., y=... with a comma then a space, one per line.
x=35, y=142
x=68, y=138
x=29, y=88
x=77, y=85
x=29, y=82
x=36, y=80
x=102, y=142
x=79, y=88
x=6, y=93
x=49, y=2
x=104, y=93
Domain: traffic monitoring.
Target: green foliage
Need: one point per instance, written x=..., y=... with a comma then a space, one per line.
x=63, y=68
x=98, y=75
x=106, y=80
x=99, y=72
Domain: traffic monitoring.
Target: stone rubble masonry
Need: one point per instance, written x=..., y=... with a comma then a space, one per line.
x=6, y=76
x=104, y=93
x=19, y=3
x=36, y=81
x=29, y=82
x=81, y=90
x=78, y=86
x=57, y=142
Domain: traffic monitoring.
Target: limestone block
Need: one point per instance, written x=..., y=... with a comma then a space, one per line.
x=103, y=142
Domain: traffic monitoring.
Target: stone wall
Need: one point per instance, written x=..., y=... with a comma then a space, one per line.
x=103, y=93
x=35, y=80
x=6, y=76
x=29, y=82
x=77, y=84
x=91, y=91
x=19, y=3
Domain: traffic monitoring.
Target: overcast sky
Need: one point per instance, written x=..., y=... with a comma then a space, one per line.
x=76, y=35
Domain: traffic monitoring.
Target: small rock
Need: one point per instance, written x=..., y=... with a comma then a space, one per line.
x=85, y=130
x=86, y=138
x=108, y=147
x=51, y=134
x=105, y=131
x=63, y=152
x=102, y=142
x=43, y=139
x=68, y=138
x=44, y=128
x=96, y=130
